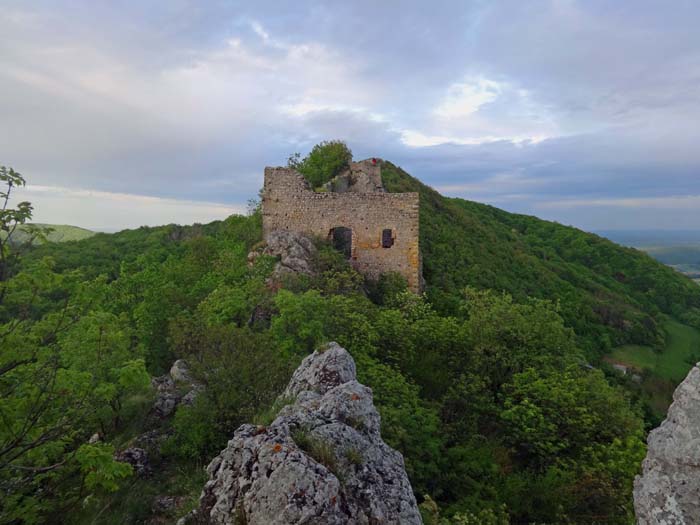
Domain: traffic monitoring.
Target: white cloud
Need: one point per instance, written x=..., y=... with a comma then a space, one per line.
x=417, y=139
x=464, y=98
x=479, y=110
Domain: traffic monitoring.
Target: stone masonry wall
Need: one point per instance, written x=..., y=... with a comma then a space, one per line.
x=288, y=203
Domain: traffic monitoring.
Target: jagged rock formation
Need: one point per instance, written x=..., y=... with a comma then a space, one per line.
x=296, y=252
x=322, y=460
x=668, y=491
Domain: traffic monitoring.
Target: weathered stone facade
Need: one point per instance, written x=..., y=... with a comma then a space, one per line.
x=384, y=225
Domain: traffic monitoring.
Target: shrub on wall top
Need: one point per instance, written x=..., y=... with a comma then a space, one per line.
x=325, y=161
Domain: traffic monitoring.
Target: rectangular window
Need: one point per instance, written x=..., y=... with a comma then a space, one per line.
x=387, y=239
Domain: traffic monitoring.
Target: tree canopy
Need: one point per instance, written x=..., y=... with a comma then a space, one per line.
x=326, y=160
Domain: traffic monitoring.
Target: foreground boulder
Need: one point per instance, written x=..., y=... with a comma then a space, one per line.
x=321, y=461
x=668, y=491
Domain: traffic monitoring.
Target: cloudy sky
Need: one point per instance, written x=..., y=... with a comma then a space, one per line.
x=122, y=113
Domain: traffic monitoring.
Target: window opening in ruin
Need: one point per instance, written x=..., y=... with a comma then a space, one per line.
x=342, y=240
x=387, y=239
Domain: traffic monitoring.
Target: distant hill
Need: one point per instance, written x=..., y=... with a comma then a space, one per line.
x=59, y=233
x=647, y=238
x=678, y=249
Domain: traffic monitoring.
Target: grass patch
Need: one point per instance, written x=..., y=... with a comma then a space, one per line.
x=682, y=344
x=665, y=369
x=354, y=456
x=321, y=451
x=635, y=356
x=356, y=423
x=266, y=417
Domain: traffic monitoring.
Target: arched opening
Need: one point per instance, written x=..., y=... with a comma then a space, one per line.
x=341, y=237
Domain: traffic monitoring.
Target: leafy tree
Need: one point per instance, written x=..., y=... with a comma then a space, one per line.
x=242, y=373
x=325, y=161
x=10, y=220
x=58, y=367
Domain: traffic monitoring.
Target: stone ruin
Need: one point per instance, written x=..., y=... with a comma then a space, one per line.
x=377, y=231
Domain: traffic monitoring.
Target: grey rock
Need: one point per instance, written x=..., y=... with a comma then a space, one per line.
x=166, y=403
x=296, y=252
x=163, y=383
x=151, y=440
x=326, y=368
x=169, y=389
x=166, y=504
x=321, y=461
x=137, y=458
x=668, y=491
x=180, y=372
x=190, y=397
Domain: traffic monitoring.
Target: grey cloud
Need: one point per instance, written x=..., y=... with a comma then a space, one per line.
x=189, y=100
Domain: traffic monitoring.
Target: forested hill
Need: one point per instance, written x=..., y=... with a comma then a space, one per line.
x=483, y=387
x=609, y=294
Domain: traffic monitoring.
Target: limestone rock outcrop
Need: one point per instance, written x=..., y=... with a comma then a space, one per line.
x=321, y=461
x=296, y=252
x=668, y=491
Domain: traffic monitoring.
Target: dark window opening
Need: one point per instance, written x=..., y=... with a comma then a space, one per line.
x=341, y=238
x=387, y=239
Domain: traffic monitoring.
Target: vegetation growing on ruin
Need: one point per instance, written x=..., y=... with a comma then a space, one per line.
x=325, y=161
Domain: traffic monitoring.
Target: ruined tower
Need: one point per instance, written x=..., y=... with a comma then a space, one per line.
x=377, y=231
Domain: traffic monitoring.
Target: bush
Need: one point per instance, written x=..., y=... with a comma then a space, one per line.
x=243, y=372
x=325, y=161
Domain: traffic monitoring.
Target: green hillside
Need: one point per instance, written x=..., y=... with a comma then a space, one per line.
x=57, y=233
x=609, y=294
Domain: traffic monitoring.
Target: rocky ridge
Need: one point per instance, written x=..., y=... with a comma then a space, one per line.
x=321, y=461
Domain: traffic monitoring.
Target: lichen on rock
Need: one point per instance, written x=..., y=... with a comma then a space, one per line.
x=321, y=461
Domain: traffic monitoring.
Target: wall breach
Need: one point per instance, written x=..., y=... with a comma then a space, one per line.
x=383, y=227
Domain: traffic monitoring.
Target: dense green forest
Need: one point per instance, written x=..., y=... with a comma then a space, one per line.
x=492, y=384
